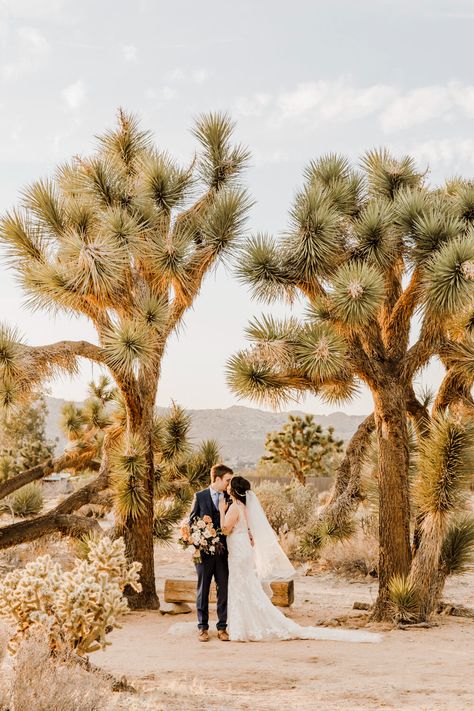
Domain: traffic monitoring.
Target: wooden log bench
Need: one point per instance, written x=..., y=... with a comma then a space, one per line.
x=182, y=590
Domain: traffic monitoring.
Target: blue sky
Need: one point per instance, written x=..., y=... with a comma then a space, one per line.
x=299, y=78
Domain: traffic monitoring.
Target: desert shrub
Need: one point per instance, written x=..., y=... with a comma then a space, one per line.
x=404, y=599
x=75, y=608
x=353, y=556
x=27, y=501
x=288, y=507
x=50, y=683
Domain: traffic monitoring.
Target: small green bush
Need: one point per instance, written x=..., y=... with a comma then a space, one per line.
x=27, y=501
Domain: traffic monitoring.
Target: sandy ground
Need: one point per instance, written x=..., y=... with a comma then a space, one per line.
x=418, y=669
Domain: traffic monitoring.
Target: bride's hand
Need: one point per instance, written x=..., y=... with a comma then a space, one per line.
x=222, y=504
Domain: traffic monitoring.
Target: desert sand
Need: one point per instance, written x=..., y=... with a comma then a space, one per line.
x=419, y=669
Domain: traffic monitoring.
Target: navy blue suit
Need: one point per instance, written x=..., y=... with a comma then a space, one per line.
x=212, y=566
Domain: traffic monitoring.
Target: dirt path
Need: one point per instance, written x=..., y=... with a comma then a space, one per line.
x=417, y=669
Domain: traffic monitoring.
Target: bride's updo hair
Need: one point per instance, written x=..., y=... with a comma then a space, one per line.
x=239, y=487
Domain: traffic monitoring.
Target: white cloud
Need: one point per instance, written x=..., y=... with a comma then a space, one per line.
x=166, y=93
x=332, y=100
x=175, y=75
x=342, y=101
x=253, y=106
x=29, y=48
x=452, y=153
x=130, y=53
x=74, y=94
x=200, y=76
x=33, y=8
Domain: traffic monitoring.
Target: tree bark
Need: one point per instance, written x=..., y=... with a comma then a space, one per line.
x=68, y=525
x=65, y=461
x=345, y=495
x=424, y=573
x=394, y=514
x=138, y=536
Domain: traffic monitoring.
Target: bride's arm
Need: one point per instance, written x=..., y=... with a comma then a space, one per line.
x=229, y=518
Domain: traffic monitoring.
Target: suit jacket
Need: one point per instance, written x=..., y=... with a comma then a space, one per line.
x=204, y=506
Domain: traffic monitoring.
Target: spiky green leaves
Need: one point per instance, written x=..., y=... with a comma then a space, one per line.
x=164, y=182
x=387, y=175
x=262, y=268
x=21, y=239
x=314, y=244
x=404, y=599
x=434, y=228
x=357, y=293
x=46, y=203
x=457, y=553
x=321, y=352
x=124, y=145
x=129, y=469
x=445, y=464
x=222, y=224
x=128, y=345
x=153, y=310
x=275, y=338
x=255, y=379
x=449, y=277
x=377, y=240
x=341, y=184
x=219, y=161
x=95, y=267
x=174, y=431
x=316, y=536
x=12, y=353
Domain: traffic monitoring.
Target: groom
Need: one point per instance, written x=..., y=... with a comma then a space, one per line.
x=215, y=566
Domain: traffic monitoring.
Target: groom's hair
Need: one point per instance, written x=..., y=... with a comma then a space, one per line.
x=218, y=471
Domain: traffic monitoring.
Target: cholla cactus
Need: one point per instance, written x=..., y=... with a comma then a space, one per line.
x=74, y=608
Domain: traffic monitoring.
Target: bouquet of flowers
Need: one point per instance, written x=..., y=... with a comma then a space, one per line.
x=202, y=536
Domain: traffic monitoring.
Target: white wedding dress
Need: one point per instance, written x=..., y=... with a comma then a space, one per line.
x=251, y=616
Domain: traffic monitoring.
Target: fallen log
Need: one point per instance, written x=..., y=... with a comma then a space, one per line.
x=185, y=591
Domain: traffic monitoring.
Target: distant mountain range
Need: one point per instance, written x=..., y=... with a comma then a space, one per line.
x=240, y=431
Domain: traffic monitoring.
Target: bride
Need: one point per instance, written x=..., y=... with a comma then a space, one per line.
x=256, y=559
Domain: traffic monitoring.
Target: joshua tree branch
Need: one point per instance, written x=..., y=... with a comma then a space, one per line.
x=68, y=460
x=398, y=328
x=69, y=525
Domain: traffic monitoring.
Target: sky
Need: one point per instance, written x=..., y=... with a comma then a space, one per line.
x=300, y=79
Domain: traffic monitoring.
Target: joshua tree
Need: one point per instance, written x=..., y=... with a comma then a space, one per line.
x=304, y=446
x=370, y=251
x=23, y=442
x=125, y=238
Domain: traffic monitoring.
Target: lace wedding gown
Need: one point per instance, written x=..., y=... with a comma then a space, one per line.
x=252, y=617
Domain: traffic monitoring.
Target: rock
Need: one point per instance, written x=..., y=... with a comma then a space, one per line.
x=175, y=608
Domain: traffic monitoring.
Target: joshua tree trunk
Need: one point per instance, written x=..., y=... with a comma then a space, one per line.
x=424, y=571
x=138, y=536
x=394, y=526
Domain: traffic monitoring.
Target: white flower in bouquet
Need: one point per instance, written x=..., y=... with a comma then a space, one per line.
x=196, y=537
x=201, y=524
x=212, y=549
x=206, y=533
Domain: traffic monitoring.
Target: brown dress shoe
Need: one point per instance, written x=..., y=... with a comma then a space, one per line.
x=223, y=636
x=203, y=636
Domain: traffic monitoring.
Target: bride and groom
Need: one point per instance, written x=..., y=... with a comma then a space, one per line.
x=248, y=560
